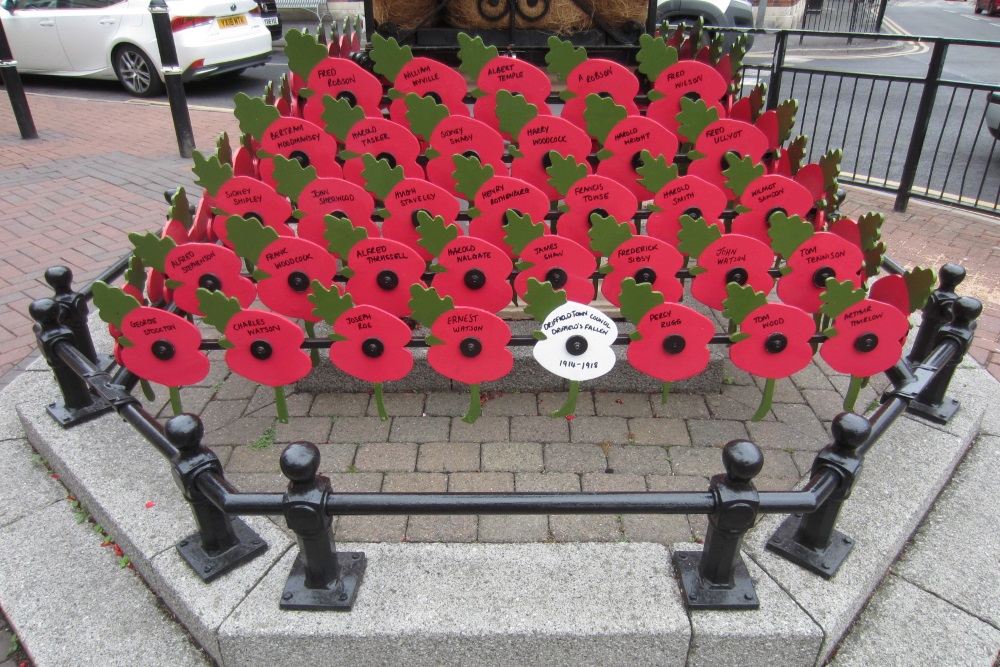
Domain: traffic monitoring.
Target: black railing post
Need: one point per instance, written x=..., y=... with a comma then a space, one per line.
x=812, y=540
x=932, y=403
x=777, y=65
x=321, y=578
x=77, y=403
x=936, y=312
x=222, y=543
x=73, y=309
x=717, y=578
x=172, y=77
x=924, y=109
x=15, y=91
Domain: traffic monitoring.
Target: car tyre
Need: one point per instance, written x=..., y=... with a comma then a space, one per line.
x=978, y=9
x=136, y=72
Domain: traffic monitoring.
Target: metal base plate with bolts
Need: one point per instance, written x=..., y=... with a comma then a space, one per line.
x=824, y=563
x=698, y=596
x=339, y=596
x=208, y=567
x=70, y=417
x=939, y=414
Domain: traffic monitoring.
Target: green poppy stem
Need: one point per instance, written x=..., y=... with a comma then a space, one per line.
x=569, y=407
x=380, y=403
x=765, y=401
x=175, y=401
x=475, y=405
x=311, y=333
x=664, y=393
x=852, y=392
x=281, y=405
x=147, y=390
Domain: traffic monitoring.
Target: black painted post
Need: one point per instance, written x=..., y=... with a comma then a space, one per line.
x=321, y=578
x=932, y=402
x=920, y=124
x=777, y=66
x=717, y=578
x=15, y=91
x=222, y=543
x=77, y=403
x=73, y=309
x=936, y=312
x=172, y=77
x=811, y=540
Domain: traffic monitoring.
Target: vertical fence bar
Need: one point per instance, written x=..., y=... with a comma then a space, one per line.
x=774, y=85
x=15, y=91
x=934, y=70
x=172, y=77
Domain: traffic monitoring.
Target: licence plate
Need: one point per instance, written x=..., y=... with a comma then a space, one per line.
x=231, y=21
x=270, y=20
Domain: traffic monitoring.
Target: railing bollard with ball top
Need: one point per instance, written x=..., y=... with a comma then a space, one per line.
x=73, y=310
x=222, y=543
x=78, y=403
x=937, y=311
x=811, y=540
x=717, y=578
x=321, y=578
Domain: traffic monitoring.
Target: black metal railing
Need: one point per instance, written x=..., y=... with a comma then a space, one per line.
x=844, y=15
x=323, y=578
x=921, y=134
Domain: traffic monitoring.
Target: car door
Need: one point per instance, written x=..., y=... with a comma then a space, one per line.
x=86, y=28
x=34, y=41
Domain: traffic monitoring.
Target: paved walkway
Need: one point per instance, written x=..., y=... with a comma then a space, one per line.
x=97, y=172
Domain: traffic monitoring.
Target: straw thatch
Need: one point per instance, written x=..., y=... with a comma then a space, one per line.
x=563, y=16
x=406, y=14
x=618, y=13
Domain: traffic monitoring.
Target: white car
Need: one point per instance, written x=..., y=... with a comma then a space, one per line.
x=105, y=39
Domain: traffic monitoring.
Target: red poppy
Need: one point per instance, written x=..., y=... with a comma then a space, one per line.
x=766, y=195
x=163, y=348
x=475, y=274
x=688, y=195
x=594, y=194
x=869, y=340
x=342, y=78
x=245, y=161
x=292, y=264
x=301, y=140
x=214, y=267
x=428, y=78
x=536, y=139
x=201, y=228
x=778, y=342
x=601, y=77
x=515, y=76
x=626, y=141
x=249, y=198
x=382, y=271
x=686, y=79
x=647, y=260
x=564, y=263
x=266, y=348
x=474, y=346
x=495, y=198
x=732, y=258
x=334, y=196
x=719, y=139
x=373, y=347
x=409, y=197
x=824, y=255
x=457, y=135
x=385, y=140
x=674, y=343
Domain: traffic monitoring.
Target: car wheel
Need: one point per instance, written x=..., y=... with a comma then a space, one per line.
x=978, y=9
x=136, y=72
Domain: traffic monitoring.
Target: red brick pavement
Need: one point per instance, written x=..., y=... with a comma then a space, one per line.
x=98, y=171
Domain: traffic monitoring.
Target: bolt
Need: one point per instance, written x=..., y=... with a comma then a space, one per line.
x=748, y=596
x=848, y=540
x=355, y=556
x=183, y=543
x=825, y=566
x=286, y=596
x=208, y=568
x=692, y=596
x=343, y=597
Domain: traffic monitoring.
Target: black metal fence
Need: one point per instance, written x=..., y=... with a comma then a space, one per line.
x=844, y=15
x=322, y=578
x=920, y=135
